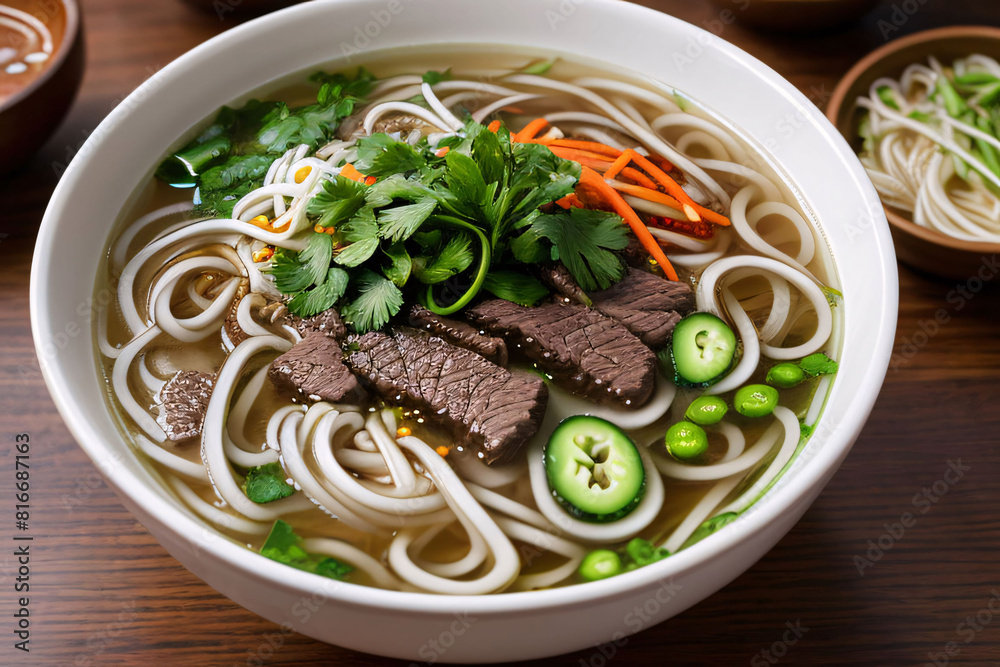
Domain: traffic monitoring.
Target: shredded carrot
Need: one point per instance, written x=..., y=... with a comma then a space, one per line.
x=591, y=179
x=441, y=152
x=671, y=186
x=570, y=201
x=403, y=431
x=620, y=163
x=494, y=126
x=592, y=146
x=370, y=180
x=600, y=163
x=330, y=230
x=349, y=171
x=667, y=200
x=442, y=451
x=661, y=162
x=531, y=130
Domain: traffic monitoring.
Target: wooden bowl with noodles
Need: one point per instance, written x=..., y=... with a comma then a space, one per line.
x=921, y=247
x=41, y=65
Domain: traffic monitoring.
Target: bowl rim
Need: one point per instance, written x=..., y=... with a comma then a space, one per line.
x=837, y=106
x=70, y=37
x=780, y=501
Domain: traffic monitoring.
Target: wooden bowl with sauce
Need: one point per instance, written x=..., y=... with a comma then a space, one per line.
x=41, y=65
x=922, y=248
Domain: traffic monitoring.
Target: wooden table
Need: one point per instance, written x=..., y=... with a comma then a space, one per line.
x=103, y=592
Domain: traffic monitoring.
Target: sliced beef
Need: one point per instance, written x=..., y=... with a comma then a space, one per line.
x=314, y=369
x=487, y=407
x=585, y=351
x=647, y=305
x=461, y=334
x=558, y=277
x=328, y=322
x=185, y=401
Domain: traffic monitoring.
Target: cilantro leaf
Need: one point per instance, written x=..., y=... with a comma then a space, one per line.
x=455, y=257
x=401, y=265
x=236, y=169
x=315, y=257
x=339, y=199
x=377, y=302
x=489, y=154
x=818, y=364
x=361, y=232
x=431, y=77
x=584, y=242
x=465, y=180
x=309, y=125
x=531, y=247
x=294, y=271
x=399, y=223
x=266, y=483
x=514, y=286
x=380, y=155
x=284, y=546
x=322, y=297
x=398, y=186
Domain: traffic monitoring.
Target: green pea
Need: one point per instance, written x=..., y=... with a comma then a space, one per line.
x=756, y=400
x=706, y=410
x=785, y=376
x=600, y=564
x=686, y=441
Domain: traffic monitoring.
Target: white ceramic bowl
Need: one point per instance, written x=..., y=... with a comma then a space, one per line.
x=122, y=152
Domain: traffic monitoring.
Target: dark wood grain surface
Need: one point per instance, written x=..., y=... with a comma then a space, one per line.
x=104, y=593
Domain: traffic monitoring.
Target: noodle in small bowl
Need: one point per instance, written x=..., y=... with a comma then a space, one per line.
x=145, y=286
x=931, y=228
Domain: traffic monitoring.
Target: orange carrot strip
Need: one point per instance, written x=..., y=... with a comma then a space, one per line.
x=676, y=191
x=441, y=152
x=570, y=201
x=620, y=163
x=349, y=171
x=370, y=180
x=657, y=196
x=531, y=130
x=592, y=146
x=590, y=178
x=661, y=162
x=494, y=126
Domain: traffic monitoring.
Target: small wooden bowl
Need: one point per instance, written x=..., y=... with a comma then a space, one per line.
x=922, y=248
x=31, y=114
x=796, y=14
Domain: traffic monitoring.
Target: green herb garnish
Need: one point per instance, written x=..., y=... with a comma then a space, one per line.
x=266, y=483
x=284, y=546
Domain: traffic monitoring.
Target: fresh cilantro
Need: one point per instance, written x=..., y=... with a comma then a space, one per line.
x=295, y=271
x=455, y=257
x=284, y=546
x=399, y=223
x=361, y=232
x=237, y=169
x=377, y=302
x=266, y=483
x=339, y=199
x=322, y=297
x=585, y=241
x=398, y=186
x=515, y=286
x=818, y=364
x=432, y=78
x=380, y=155
x=400, y=264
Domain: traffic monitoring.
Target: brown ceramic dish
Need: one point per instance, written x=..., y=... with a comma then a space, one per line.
x=41, y=65
x=920, y=247
x=794, y=14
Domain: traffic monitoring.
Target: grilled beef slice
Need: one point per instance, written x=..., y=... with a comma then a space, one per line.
x=585, y=351
x=489, y=408
x=185, y=401
x=328, y=322
x=647, y=305
x=314, y=369
x=558, y=277
x=461, y=334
